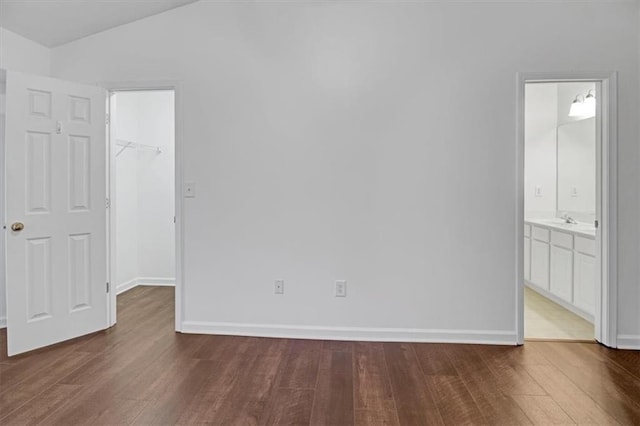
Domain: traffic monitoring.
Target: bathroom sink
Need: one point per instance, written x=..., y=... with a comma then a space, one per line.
x=559, y=222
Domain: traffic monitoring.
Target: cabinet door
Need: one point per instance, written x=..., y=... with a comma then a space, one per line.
x=585, y=282
x=540, y=264
x=562, y=272
x=527, y=259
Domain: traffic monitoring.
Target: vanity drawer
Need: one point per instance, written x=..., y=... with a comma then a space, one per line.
x=540, y=234
x=561, y=239
x=586, y=245
x=527, y=230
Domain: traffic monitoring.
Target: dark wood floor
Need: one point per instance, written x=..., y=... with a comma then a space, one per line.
x=141, y=372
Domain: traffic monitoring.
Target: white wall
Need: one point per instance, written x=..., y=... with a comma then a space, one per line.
x=541, y=120
x=20, y=54
x=124, y=113
x=144, y=201
x=372, y=142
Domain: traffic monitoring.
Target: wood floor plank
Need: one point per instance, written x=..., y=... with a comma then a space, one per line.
x=247, y=397
x=333, y=401
x=433, y=359
x=289, y=407
x=301, y=365
x=512, y=379
x=543, y=410
x=617, y=393
x=16, y=396
x=366, y=417
x=578, y=405
x=42, y=405
x=414, y=401
x=495, y=406
x=454, y=402
x=169, y=406
x=373, y=397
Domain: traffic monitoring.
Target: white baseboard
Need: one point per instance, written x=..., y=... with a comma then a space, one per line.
x=125, y=286
x=628, y=341
x=492, y=337
x=3, y=322
x=150, y=281
x=157, y=281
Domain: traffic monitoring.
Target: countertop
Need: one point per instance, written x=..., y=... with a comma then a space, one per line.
x=581, y=229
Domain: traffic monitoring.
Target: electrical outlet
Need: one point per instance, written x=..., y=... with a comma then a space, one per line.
x=538, y=191
x=279, y=287
x=341, y=288
x=574, y=191
x=189, y=190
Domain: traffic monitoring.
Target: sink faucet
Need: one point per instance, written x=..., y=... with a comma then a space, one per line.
x=568, y=219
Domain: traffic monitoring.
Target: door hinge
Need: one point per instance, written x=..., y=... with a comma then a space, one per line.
x=107, y=119
x=108, y=203
x=596, y=224
x=108, y=288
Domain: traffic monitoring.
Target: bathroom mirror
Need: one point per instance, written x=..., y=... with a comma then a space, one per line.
x=576, y=166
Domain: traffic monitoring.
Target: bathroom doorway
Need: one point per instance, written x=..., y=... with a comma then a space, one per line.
x=142, y=190
x=564, y=243
x=560, y=272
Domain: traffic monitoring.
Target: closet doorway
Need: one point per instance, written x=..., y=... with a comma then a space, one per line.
x=142, y=189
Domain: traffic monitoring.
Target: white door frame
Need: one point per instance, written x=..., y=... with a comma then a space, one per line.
x=606, y=300
x=148, y=86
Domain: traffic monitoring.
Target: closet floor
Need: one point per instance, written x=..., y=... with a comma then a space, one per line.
x=544, y=319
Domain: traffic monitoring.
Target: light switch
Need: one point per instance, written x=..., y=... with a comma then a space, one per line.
x=574, y=191
x=189, y=190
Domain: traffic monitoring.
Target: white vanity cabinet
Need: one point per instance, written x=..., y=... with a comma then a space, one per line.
x=527, y=252
x=560, y=265
x=540, y=257
x=585, y=272
x=561, y=280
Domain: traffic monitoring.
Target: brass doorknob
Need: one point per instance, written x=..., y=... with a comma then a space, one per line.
x=17, y=227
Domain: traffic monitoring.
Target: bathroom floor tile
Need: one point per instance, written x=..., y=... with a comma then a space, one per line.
x=544, y=319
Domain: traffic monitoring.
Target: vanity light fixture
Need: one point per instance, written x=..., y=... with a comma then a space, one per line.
x=585, y=107
x=590, y=104
x=577, y=107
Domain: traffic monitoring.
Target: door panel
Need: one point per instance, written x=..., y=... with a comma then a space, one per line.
x=56, y=187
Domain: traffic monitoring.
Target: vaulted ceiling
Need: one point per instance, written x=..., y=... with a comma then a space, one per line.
x=55, y=22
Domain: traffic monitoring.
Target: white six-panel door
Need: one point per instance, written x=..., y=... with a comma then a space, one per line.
x=55, y=189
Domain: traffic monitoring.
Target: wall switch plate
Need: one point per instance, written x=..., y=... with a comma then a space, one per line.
x=189, y=190
x=574, y=191
x=538, y=191
x=341, y=288
x=279, y=287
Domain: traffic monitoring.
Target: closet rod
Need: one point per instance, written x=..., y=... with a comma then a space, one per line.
x=130, y=144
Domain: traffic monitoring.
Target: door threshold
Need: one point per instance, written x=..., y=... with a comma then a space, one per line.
x=545, y=339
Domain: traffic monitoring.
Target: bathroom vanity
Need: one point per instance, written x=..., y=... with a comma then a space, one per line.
x=560, y=263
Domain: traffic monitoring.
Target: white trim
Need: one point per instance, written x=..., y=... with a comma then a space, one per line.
x=629, y=341
x=606, y=300
x=179, y=241
x=157, y=281
x=145, y=281
x=489, y=337
x=126, y=286
x=3, y=322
